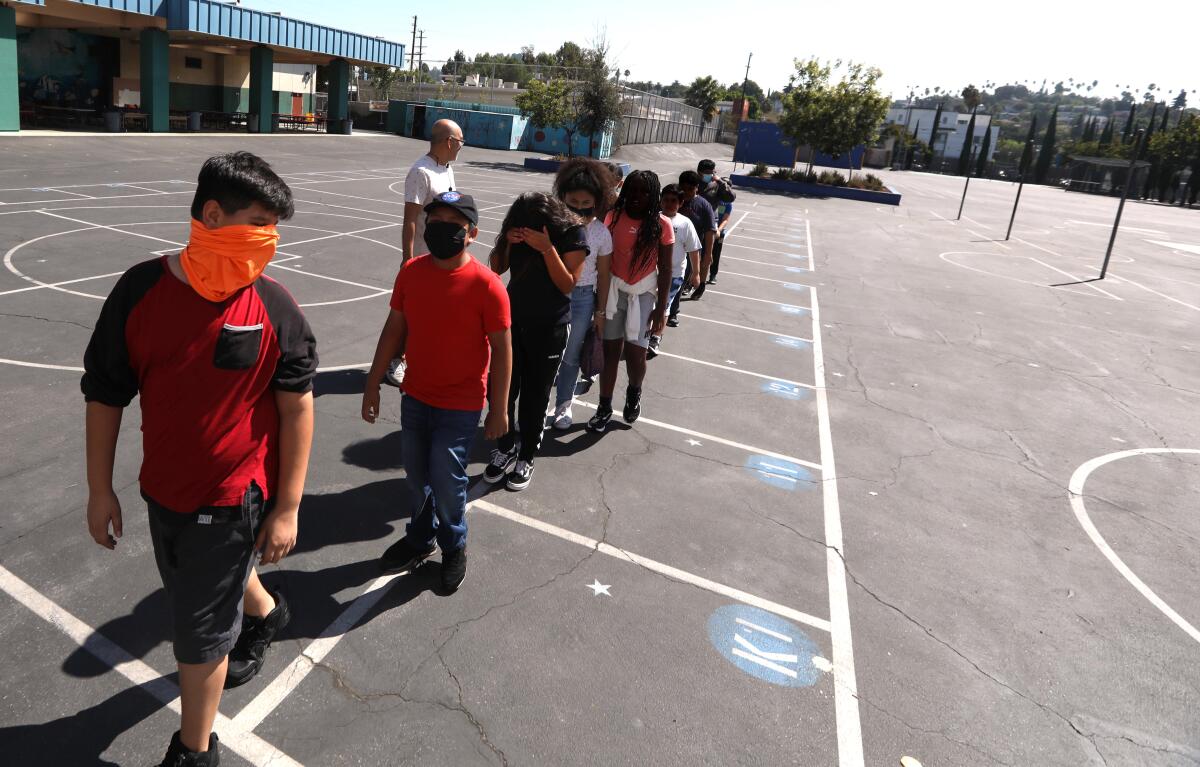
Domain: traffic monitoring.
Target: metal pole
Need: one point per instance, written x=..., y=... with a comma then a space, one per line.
x=966, y=185
x=1124, y=194
x=1020, y=185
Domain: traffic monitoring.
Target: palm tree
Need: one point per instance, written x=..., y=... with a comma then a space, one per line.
x=703, y=94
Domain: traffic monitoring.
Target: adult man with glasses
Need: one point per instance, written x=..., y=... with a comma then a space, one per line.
x=429, y=177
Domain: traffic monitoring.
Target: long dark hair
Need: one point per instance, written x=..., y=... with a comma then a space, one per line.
x=536, y=210
x=586, y=175
x=645, y=248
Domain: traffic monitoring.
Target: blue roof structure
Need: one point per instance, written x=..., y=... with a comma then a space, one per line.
x=220, y=19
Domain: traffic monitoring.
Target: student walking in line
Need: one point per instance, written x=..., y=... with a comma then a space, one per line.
x=584, y=186
x=450, y=316
x=703, y=217
x=223, y=361
x=543, y=246
x=638, y=292
x=428, y=177
x=686, y=250
x=720, y=195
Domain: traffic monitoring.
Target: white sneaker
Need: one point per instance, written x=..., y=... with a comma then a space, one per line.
x=562, y=417
x=395, y=372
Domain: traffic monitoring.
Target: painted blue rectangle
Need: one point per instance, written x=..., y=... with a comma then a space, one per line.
x=779, y=473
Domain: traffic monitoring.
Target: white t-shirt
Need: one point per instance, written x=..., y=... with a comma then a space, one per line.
x=686, y=240
x=599, y=242
x=426, y=179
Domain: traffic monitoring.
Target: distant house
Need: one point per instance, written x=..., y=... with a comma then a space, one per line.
x=951, y=131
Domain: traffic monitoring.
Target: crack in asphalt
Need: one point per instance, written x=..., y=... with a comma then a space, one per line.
x=46, y=319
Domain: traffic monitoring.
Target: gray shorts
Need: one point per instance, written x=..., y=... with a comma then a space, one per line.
x=614, y=327
x=205, y=559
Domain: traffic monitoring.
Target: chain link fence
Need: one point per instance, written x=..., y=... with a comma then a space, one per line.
x=650, y=119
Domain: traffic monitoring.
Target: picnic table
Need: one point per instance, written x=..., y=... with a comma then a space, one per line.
x=63, y=115
x=300, y=122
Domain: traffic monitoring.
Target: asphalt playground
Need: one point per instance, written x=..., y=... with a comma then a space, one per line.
x=901, y=488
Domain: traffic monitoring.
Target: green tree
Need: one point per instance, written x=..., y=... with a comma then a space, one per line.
x=1180, y=100
x=1145, y=147
x=1046, y=156
x=754, y=94
x=1106, y=136
x=981, y=166
x=597, y=102
x=964, y=156
x=676, y=90
x=570, y=55
x=703, y=94
x=937, y=121
x=806, y=103
x=1027, y=150
x=1128, y=131
x=1089, y=131
x=549, y=105
x=972, y=97
x=854, y=108
x=383, y=79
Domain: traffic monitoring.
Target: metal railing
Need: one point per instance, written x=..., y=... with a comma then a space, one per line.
x=650, y=119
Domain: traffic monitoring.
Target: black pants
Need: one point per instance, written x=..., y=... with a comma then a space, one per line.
x=716, y=255
x=537, y=351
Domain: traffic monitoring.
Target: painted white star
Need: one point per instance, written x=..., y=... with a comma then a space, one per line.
x=730, y=362
x=695, y=442
x=599, y=588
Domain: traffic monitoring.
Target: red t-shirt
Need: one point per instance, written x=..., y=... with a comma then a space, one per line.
x=624, y=237
x=449, y=316
x=206, y=373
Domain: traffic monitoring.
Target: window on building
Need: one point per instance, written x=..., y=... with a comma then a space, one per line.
x=191, y=62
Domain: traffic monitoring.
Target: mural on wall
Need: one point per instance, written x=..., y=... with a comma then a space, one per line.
x=58, y=67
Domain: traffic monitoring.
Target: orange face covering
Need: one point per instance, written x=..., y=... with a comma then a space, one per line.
x=220, y=262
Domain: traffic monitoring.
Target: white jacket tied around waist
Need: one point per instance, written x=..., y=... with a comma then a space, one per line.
x=621, y=291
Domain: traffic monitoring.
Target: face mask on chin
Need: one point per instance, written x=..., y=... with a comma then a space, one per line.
x=445, y=239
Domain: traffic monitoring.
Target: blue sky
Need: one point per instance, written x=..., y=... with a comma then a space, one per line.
x=946, y=44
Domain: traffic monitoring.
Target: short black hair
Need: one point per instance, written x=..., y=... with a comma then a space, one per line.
x=689, y=178
x=671, y=189
x=706, y=166
x=236, y=181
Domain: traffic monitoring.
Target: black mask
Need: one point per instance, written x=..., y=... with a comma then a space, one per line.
x=584, y=212
x=445, y=239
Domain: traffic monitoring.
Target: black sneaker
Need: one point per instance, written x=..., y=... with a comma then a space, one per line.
x=497, y=470
x=179, y=756
x=599, y=422
x=246, y=657
x=633, y=405
x=672, y=322
x=699, y=291
x=403, y=556
x=454, y=569
x=712, y=280
x=652, y=349
x=518, y=478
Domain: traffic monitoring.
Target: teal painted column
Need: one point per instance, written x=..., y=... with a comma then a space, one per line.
x=339, y=95
x=10, y=106
x=156, y=80
x=262, y=95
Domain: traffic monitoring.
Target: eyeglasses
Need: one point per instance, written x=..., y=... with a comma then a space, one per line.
x=459, y=140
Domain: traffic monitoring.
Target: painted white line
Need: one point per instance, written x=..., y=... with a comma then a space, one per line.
x=113, y=197
x=1060, y=271
x=470, y=190
x=134, y=186
x=654, y=566
x=346, y=300
x=347, y=207
x=66, y=191
x=290, y=678
x=64, y=282
x=1073, y=277
x=946, y=257
x=1155, y=292
x=244, y=743
x=713, y=438
x=376, y=288
x=764, y=279
x=725, y=257
x=1109, y=226
x=849, y=727
x=85, y=186
x=775, y=241
x=729, y=232
x=757, y=250
x=114, y=228
x=343, y=234
x=734, y=370
x=40, y=365
x=758, y=659
x=763, y=630
x=808, y=243
x=1075, y=488
x=710, y=291
x=747, y=327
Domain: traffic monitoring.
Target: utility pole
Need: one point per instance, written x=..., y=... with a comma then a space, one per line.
x=746, y=84
x=1137, y=145
x=420, y=61
x=412, y=51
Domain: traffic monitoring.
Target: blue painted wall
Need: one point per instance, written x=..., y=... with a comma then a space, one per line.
x=500, y=127
x=764, y=142
x=491, y=130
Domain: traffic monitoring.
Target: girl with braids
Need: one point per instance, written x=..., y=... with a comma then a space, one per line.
x=638, y=292
x=543, y=244
x=584, y=185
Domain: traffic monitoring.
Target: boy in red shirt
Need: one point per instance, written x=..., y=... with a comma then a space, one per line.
x=223, y=361
x=449, y=314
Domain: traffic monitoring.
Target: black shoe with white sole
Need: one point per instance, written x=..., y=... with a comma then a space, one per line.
x=404, y=556
x=633, y=404
x=497, y=470
x=454, y=569
x=599, y=422
x=519, y=477
x=247, y=656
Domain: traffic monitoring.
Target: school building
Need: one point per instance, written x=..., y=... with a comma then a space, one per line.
x=160, y=65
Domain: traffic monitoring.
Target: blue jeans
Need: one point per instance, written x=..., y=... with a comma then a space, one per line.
x=673, y=303
x=436, y=443
x=583, y=303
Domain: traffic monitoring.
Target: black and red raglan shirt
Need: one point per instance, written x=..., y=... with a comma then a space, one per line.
x=206, y=373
